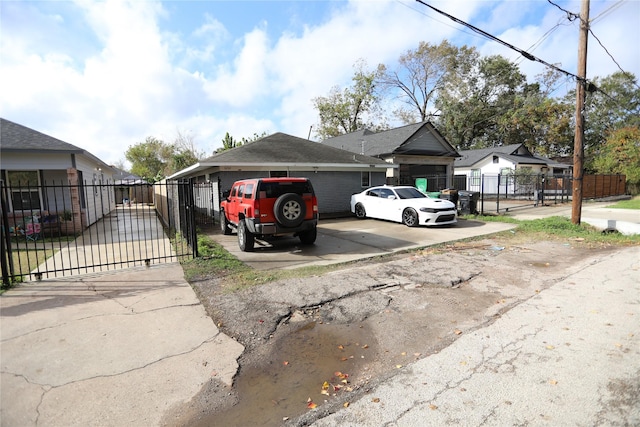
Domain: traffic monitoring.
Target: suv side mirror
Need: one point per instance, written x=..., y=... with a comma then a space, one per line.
x=225, y=194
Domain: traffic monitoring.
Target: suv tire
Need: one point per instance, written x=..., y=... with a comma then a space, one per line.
x=245, y=238
x=224, y=225
x=289, y=210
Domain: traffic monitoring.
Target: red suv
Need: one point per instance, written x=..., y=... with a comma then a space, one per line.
x=265, y=207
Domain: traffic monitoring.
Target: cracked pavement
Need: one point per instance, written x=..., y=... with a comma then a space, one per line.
x=107, y=349
x=568, y=355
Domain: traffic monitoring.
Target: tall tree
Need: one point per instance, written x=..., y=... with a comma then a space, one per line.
x=149, y=159
x=615, y=104
x=185, y=152
x=620, y=154
x=350, y=109
x=474, y=99
x=419, y=75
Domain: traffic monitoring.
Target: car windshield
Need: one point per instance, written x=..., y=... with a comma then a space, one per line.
x=409, y=193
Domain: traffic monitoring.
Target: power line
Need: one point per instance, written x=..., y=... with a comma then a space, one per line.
x=510, y=46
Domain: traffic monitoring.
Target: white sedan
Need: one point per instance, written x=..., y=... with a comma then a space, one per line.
x=403, y=204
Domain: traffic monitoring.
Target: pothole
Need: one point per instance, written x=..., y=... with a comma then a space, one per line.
x=293, y=375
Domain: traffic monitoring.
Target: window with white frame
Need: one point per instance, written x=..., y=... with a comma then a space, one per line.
x=475, y=177
x=25, y=190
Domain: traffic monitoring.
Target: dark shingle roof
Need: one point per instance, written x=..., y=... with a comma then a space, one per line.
x=282, y=148
x=418, y=139
x=15, y=137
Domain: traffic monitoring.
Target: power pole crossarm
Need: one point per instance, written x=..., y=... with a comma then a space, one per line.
x=578, y=146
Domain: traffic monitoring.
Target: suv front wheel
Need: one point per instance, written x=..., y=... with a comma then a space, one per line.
x=245, y=238
x=224, y=225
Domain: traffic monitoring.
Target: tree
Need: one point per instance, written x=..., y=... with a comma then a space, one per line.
x=615, y=104
x=620, y=154
x=228, y=142
x=184, y=152
x=149, y=159
x=475, y=97
x=418, y=77
x=350, y=109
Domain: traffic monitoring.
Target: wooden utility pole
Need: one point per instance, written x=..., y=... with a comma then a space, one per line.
x=578, y=142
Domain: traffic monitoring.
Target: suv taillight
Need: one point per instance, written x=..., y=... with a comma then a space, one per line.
x=256, y=209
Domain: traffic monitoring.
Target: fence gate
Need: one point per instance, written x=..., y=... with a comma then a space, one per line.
x=55, y=230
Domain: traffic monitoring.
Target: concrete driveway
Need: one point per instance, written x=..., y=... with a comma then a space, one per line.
x=349, y=239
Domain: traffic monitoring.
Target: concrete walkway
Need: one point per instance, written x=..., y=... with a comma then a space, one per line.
x=115, y=349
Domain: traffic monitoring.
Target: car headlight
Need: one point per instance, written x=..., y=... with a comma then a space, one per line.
x=428, y=210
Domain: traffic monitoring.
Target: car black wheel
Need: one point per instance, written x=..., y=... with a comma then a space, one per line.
x=224, y=225
x=290, y=210
x=360, y=211
x=410, y=217
x=245, y=238
x=309, y=237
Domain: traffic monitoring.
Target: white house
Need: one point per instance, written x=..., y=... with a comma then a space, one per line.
x=45, y=177
x=492, y=170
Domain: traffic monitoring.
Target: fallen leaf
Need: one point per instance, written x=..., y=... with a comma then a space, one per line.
x=325, y=386
x=404, y=353
x=365, y=346
x=553, y=382
x=457, y=332
x=398, y=366
x=376, y=400
x=311, y=405
x=550, y=347
x=341, y=347
x=285, y=363
x=433, y=407
x=345, y=404
x=343, y=359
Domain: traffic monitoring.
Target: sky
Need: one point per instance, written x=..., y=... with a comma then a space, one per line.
x=106, y=75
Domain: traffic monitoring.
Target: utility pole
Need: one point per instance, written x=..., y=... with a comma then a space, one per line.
x=578, y=142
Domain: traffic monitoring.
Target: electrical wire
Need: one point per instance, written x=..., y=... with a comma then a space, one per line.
x=510, y=46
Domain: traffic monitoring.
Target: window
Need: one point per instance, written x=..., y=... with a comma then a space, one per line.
x=25, y=193
x=278, y=174
x=240, y=190
x=248, y=193
x=365, y=179
x=495, y=159
x=475, y=177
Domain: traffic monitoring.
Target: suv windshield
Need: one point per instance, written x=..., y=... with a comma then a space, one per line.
x=277, y=189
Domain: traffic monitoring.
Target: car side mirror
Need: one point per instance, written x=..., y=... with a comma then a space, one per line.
x=225, y=194
x=391, y=197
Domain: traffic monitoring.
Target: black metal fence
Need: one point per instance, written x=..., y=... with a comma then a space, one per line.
x=53, y=230
x=503, y=192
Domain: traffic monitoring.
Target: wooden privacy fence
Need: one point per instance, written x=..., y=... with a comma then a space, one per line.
x=599, y=186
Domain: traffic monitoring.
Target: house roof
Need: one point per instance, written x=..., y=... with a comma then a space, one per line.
x=15, y=138
x=415, y=139
x=516, y=153
x=281, y=149
x=125, y=178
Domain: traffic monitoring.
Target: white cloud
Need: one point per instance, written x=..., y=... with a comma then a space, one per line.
x=105, y=75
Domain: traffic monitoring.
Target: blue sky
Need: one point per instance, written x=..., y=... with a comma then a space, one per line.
x=105, y=75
